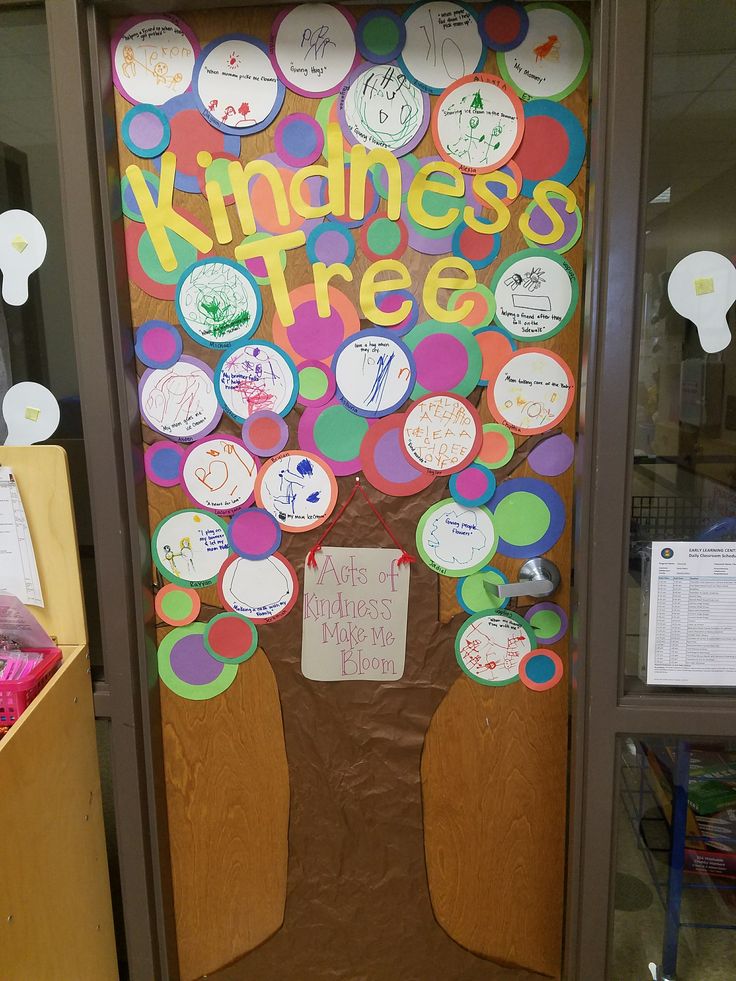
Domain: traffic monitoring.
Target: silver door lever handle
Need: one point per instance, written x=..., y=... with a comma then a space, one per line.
x=537, y=577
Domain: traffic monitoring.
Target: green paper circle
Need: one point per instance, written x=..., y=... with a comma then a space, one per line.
x=196, y=693
x=475, y=359
x=559, y=96
x=177, y=605
x=457, y=296
x=167, y=573
x=522, y=518
x=505, y=432
x=523, y=625
x=231, y=660
x=383, y=236
x=218, y=172
x=443, y=570
x=472, y=595
x=574, y=292
x=381, y=35
x=184, y=253
x=546, y=623
x=338, y=433
x=312, y=383
x=551, y=248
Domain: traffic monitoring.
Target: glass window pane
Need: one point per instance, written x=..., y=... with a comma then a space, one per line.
x=675, y=888
x=684, y=465
x=36, y=339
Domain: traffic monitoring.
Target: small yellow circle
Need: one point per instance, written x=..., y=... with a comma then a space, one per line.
x=204, y=158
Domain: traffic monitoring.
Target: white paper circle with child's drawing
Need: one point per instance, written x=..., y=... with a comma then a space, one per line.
x=533, y=391
x=536, y=294
x=381, y=107
x=375, y=373
x=702, y=288
x=443, y=44
x=153, y=59
x=31, y=414
x=218, y=302
x=298, y=489
x=22, y=250
x=180, y=401
x=264, y=590
x=236, y=86
x=314, y=48
x=189, y=547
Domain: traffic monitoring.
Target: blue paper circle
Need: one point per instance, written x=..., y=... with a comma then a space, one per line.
x=128, y=200
x=515, y=41
x=241, y=271
x=461, y=582
x=368, y=54
x=473, y=502
x=456, y=248
x=213, y=120
x=257, y=342
x=391, y=336
x=575, y=135
x=140, y=336
x=129, y=118
x=556, y=516
x=320, y=230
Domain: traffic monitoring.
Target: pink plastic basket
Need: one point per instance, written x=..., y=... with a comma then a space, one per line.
x=16, y=696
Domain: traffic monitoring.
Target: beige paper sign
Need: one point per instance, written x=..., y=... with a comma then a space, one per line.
x=354, y=621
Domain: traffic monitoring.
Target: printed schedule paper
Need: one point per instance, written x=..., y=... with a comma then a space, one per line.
x=692, y=614
x=18, y=569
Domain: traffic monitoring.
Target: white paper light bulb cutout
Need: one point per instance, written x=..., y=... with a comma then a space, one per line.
x=31, y=414
x=22, y=250
x=702, y=287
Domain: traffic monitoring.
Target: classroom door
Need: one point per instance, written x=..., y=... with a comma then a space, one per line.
x=354, y=251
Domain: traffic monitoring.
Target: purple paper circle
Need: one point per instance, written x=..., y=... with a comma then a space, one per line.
x=162, y=462
x=391, y=461
x=254, y=534
x=441, y=362
x=552, y=456
x=192, y=663
x=299, y=139
x=553, y=608
x=329, y=377
x=252, y=423
x=146, y=131
x=158, y=344
x=331, y=242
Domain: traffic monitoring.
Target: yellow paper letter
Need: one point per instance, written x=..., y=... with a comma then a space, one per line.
x=435, y=281
x=361, y=161
x=541, y=195
x=322, y=276
x=369, y=287
x=333, y=173
x=270, y=249
x=422, y=184
x=491, y=200
x=160, y=215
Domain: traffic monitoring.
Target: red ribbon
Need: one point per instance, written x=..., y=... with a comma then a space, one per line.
x=405, y=557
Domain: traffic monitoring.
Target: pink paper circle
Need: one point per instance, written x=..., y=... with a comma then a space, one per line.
x=254, y=534
x=441, y=361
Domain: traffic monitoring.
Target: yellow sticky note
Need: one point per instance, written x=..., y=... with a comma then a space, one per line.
x=32, y=413
x=703, y=286
x=19, y=243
